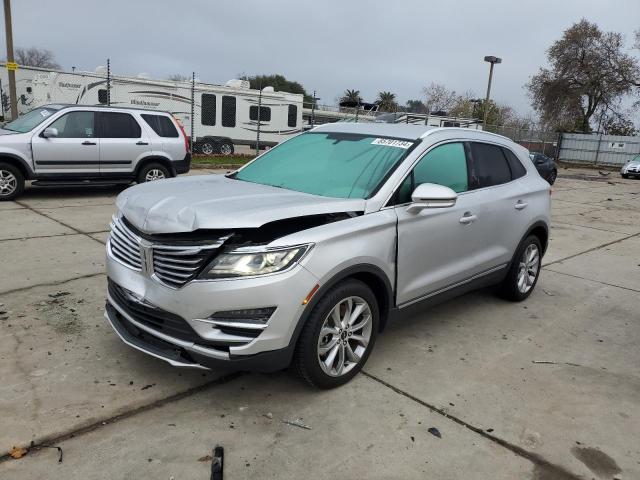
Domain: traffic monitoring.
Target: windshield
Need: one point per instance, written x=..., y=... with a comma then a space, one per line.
x=30, y=120
x=336, y=165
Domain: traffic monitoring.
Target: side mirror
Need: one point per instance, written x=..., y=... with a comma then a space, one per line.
x=50, y=132
x=431, y=195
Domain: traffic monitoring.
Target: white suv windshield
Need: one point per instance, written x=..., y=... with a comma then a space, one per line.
x=30, y=120
x=337, y=165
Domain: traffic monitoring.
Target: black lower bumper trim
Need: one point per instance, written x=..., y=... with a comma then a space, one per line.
x=182, y=166
x=270, y=361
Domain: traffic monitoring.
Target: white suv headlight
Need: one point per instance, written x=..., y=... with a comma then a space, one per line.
x=247, y=262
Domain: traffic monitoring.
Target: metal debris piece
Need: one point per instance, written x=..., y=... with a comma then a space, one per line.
x=297, y=423
x=435, y=432
x=217, y=463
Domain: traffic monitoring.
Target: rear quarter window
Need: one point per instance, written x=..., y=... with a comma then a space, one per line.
x=490, y=166
x=162, y=125
x=517, y=169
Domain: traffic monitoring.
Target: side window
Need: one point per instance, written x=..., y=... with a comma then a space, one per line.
x=490, y=166
x=163, y=126
x=75, y=125
x=102, y=96
x=517, y=169
x=445, y=165
x=292, y=117
x=228, y=111
x=118, y=125
x=265, y=113
x=208, y=109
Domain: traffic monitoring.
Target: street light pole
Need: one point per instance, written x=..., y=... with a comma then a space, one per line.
x=492, y=60
x=12, y=74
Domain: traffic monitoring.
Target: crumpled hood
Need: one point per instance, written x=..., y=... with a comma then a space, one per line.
x=186, y=204
x=633, y=163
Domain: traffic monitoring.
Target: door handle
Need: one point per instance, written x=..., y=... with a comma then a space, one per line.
x=468, y=218
x=521, y=205
x=87, y=142
x=142, y=143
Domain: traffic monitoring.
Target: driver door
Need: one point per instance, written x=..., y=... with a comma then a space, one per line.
x=437, y=247
x=74, y=150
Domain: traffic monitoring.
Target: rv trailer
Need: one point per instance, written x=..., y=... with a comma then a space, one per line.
x=224, y=115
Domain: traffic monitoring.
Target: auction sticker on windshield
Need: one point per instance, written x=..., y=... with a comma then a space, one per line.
x=389, y=142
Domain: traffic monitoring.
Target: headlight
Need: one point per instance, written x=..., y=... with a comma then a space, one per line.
x=250, y=262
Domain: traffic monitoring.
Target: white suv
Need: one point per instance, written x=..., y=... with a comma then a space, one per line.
x=303, y=254
x=72, y=144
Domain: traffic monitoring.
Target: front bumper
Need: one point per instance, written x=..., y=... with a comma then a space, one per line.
x=199, y=344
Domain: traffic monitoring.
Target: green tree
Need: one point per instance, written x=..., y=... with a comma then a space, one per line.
x=387, y=101
x=279, y=83
x=415, y=106
x=351, y=96
x=589, y=72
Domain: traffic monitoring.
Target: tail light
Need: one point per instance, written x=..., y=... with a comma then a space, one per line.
x=184, y=134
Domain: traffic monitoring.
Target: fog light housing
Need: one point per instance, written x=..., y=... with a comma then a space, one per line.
x=251, y=316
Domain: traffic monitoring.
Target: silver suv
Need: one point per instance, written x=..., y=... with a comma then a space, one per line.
x=304, y=254
x=71, y=144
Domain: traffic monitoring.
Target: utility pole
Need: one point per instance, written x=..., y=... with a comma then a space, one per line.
x=492, y=60
x=11, y=71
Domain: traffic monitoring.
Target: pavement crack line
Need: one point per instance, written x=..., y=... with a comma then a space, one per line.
x=592, y=228
x=592, y=280
x=536, y=459
x=39, y=444
x=52, y=284
x=591, y=249
x=35, y=210
x=35, y=237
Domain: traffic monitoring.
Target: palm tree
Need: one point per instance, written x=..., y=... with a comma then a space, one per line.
x=387, y=101
x=351, y=96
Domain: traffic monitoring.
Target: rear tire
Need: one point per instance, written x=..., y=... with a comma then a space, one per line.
x=11, y=182
x=226, y=148
x=524, y=271
x=207, y=148
x=339, y=335
x=151, y=172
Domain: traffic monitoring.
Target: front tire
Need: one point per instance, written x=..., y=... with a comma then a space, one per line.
x=624, y=175
x=11, y=182
x=339, y=335
x=152, y=172
x=524, y=271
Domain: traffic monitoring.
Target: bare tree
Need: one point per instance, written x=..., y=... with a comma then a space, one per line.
x=177, y=77
x=438, y=98
x=36, y=57
x=589, y=73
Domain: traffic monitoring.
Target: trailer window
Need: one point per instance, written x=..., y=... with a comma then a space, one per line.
x=292, y=118
x=102, y=96
x=208, y=109
x=118, y=125
x=265, y=114
x=228, y=111
x=163, y=126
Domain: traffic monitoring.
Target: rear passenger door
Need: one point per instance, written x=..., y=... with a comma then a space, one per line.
x=499, y=202
x=122, y=142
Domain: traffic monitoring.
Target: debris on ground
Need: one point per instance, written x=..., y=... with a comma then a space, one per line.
x=49, y=446
x=148, y=386
x=217, y=463
x=297, y=423
x=206, y=458
x=604, y=174
x=549, y=362
x=268, y=415
x=551, y=294
x=435, y=432
x=18, y=452
x=59, y=294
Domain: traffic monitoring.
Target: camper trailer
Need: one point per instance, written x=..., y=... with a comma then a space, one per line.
x=223, y=115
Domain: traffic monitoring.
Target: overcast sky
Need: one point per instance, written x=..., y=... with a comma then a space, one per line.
x=327, y=45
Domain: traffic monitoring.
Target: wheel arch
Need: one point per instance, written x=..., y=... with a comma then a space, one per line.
x=19, y=163
x=155, y=159
x=541, y=230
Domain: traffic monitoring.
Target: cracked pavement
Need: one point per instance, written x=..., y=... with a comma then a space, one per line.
x=546, y=389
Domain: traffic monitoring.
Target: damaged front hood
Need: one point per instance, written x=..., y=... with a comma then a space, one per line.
x=187, y=204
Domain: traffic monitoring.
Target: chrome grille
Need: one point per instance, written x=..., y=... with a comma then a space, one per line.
x=124, y=245
x=175, y=266
x=172, y=265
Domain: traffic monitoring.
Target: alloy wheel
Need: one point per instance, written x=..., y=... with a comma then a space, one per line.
x=206, y=148
x=528, y=268
x=225, y=149
x=8, y=183
x=344, y=336
x=154, y=174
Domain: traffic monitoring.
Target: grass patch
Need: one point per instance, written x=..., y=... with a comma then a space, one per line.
x=222, y=159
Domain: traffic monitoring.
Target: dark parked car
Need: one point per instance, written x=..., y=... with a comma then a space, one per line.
x=546, y=167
